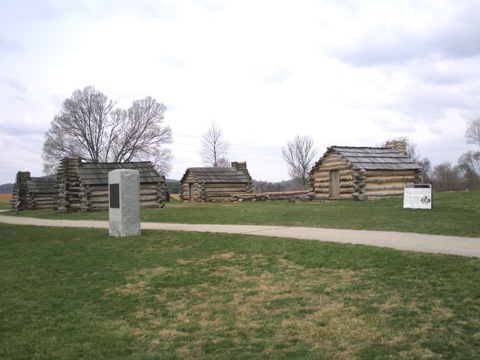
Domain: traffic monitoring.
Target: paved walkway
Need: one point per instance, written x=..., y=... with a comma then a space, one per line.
x=440, y=244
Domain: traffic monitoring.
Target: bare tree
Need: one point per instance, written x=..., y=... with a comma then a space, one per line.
x=89, y=127
x=214, y=146
x=426, y=169
x=447, y=178
x=473, y=132
x=469, y=167
x=300, y=155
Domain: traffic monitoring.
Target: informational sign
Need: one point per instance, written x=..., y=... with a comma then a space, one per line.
x=114, y=196
x=417, y=196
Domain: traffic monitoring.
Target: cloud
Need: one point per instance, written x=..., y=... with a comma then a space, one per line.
x=348, y=72
x=17, y=85
x=272, y=75
x=409, y=30
x=9, y=46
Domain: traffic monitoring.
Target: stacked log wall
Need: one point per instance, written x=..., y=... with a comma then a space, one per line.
x=42, y=201
x=320, y=178
x=68, y=185
x=384, y=183
x=216, y=192
x=95, y=197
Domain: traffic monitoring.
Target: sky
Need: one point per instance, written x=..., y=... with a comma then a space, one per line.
x=345, y=72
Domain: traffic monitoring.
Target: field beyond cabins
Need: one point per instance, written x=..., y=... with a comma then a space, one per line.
x=5, y=197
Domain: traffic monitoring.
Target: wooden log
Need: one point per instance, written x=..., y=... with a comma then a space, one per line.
x=340, y=166
x=383, y=193
x=380, y=188
x=320, y=197
x=383, y=173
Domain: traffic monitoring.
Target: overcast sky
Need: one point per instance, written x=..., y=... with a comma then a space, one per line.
x=350, y=73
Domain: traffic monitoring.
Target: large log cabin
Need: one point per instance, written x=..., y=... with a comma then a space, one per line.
x=361, y=173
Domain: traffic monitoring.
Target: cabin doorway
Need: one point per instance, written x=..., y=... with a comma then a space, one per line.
x=334, y=184
x=190, y=192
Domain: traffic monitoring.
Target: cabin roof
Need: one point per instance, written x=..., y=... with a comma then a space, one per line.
x=97, y=173
x=370, y=158
x=44, y=184
x=217, y=175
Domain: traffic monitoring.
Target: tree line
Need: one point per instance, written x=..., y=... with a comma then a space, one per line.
x=465, y=175
x=92, y=127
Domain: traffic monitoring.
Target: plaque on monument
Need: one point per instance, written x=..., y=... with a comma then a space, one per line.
x=114, y=195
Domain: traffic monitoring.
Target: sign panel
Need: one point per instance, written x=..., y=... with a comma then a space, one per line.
x=418, y=196
x=114, y=196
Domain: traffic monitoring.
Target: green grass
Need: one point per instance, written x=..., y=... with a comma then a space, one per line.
x=454, y=213
x=79, y=294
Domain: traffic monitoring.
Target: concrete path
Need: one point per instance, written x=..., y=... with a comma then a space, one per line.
x=440, y=244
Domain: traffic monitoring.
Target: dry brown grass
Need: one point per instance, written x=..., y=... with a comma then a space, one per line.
x=5, y=197
x=252, y=304
x=248, y=302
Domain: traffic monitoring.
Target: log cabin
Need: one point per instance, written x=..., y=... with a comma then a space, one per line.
x=215, y=184
x=83, y=186
x=34, y=193
x=361, y=173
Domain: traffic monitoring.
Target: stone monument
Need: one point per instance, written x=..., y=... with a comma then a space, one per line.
x=124, y=202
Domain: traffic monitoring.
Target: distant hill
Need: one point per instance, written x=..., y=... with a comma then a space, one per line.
x=6, y=189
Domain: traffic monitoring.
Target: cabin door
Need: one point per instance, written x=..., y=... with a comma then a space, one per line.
x=190, y=192
x=334, y=184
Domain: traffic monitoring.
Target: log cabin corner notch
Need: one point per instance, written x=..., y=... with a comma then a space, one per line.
x=359, y=173
x=215, y=184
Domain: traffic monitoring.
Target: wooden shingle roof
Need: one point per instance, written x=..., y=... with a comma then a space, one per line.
x=43, y=185
x=369, y=158
x=217, y=175
x=97, y=173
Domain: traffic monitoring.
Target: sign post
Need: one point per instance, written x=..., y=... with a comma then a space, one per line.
x=124, y=202
x=417, y=196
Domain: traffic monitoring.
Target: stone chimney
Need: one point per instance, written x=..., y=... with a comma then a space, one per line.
x=241, y=166
x=398, y=145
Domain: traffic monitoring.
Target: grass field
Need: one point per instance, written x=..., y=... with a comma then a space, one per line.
x=5, y=201
x=79, y=294
x=454, y=213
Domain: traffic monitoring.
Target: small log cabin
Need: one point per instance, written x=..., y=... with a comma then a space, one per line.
x=360, y=173
x=215, y=184
x=84, y=186
x=34, y=193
